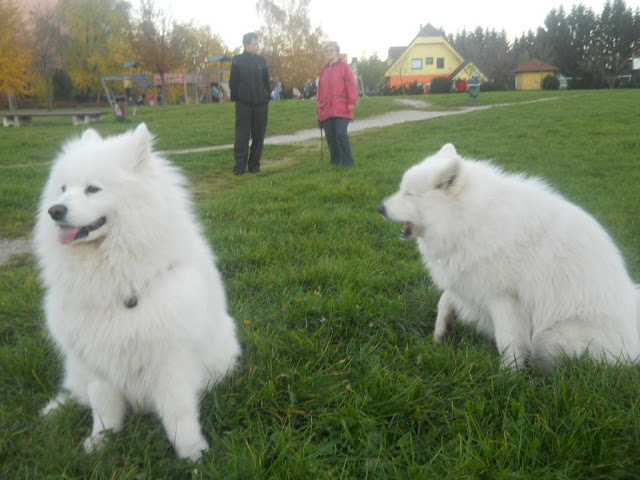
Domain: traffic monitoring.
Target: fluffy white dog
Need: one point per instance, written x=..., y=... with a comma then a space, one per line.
x=514, y=258
x=133, y=299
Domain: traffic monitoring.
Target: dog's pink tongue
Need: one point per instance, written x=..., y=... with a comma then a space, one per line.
x=66, y=235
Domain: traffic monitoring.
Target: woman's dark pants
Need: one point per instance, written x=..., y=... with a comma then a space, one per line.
x=335, y=129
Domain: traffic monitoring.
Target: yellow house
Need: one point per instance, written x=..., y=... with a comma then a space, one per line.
x=530, y=75
x=428, y=56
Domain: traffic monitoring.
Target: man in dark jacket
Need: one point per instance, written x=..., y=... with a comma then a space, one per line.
x=250, y=90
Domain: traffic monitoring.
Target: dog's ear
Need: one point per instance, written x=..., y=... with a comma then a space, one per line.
x=449, y=178
x=143, y=144
x=448, y=150
x=90, y=135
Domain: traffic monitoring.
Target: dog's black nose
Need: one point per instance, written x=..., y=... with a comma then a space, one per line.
x=381, y=208
x=58, y=212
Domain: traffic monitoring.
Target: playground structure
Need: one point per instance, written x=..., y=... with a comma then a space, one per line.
x=205, y=86
x=120, y=102
x=218, y=80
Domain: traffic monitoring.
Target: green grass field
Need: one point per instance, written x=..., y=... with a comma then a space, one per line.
x=340, y=377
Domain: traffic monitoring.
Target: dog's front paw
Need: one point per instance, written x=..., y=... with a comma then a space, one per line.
x=193, y=452
x=440, y=334
x=94, y=443
x=55, y=403
x=513, y=362
x=52, y=406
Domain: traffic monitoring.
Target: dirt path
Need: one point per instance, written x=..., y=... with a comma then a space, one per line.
x=391, y=118
x=13, y=247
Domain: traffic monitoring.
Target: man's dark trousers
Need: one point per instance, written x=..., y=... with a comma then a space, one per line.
x=251, y=123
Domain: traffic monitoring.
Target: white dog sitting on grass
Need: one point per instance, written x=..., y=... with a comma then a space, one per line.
x=134, y=301
x=528, y=268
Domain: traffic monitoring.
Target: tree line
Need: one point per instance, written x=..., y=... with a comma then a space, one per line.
x=62, y=51
x=593, y=50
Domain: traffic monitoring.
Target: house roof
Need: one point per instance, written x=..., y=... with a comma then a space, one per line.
x=535, y=66
x=427, y=30
x=395, y=52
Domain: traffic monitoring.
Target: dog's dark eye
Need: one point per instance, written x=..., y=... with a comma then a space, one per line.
x=63, y=188
x=92, y=189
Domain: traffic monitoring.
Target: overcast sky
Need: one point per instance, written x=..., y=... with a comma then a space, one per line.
x=362, y=28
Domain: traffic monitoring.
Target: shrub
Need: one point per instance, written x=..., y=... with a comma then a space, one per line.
x=497, y=86
x=395, y=90
x=550, y=83
x=415, y=88
x=440, y=85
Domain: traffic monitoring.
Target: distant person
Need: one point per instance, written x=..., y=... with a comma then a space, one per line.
x=335, y=103
x=277, y=88
x=250, y=90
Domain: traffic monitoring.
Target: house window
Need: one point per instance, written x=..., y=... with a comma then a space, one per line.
x=440, y=63
x=416, y=63
x=428, y=61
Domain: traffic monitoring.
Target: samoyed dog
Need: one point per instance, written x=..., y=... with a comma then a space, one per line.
x=133, y=300
x=526, y=267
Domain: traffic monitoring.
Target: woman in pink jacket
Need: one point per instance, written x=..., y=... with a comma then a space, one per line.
x=335, y=103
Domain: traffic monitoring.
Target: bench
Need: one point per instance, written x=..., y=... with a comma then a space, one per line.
x=19, y=119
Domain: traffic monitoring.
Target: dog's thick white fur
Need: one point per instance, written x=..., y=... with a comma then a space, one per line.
x=528, y=268
x=133, y=299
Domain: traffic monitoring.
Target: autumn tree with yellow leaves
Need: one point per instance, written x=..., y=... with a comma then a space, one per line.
x=198, y=44
x=96, y=41
x=15, y=45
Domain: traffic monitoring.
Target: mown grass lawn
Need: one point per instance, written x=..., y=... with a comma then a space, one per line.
x=340, y=377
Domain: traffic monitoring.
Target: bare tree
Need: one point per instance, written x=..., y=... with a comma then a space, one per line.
x=46, y=52
x=156, y=44
x=292, y=47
